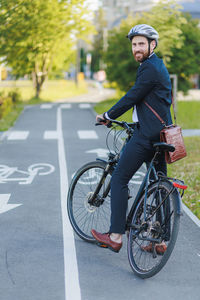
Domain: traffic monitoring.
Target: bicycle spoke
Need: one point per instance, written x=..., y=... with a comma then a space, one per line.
x=85, y=216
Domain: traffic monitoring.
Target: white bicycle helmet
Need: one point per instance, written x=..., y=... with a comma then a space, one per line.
x=143, y=30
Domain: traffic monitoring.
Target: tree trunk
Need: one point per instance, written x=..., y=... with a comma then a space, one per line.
x=38, y=83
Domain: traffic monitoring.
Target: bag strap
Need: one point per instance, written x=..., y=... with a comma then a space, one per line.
x=155, y=113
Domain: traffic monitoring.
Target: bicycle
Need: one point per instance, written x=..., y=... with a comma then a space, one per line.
x=154, y=214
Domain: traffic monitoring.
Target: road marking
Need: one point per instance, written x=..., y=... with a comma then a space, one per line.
x=100, y=152
x=46, y=106
x=18, y=135
x=191, y=215
x=51, y=135
x=84, y=105
x=11, y=174
x=87, y=134
x=66, y=106
x=72, y=286
x=4, y=206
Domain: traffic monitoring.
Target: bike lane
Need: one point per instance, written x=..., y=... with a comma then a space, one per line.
x=31, y=251
x=32, y=260
x=107, y=275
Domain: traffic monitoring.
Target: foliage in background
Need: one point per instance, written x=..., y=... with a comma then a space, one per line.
x=186, y=60
x=177, y=45
x=98, y=42
x=39, y=35
x=8, y=102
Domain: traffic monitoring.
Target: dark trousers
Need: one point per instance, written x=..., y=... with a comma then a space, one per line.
x=137, y=151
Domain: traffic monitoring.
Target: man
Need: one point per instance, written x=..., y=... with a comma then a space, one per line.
x=154, y=87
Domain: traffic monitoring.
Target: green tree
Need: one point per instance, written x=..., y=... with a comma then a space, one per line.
x=38, y=35
x=166, y=18
x=186, y=60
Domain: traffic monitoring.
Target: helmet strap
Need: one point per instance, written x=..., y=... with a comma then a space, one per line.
x=149, y=42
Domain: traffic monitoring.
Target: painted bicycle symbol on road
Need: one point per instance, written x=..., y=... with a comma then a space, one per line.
x=8, y=174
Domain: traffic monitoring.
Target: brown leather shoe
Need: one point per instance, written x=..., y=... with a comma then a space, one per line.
x=105, y=241
x=160, y=248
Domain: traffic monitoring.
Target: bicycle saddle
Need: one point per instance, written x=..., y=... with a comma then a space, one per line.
x=164, y=147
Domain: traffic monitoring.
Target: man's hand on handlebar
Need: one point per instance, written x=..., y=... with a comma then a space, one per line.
x=101, y=120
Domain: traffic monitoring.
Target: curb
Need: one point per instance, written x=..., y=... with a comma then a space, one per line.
x=191, y=215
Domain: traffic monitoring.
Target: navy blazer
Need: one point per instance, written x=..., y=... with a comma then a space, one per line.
x=154, y=86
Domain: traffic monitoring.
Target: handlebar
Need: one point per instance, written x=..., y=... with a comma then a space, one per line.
x=123, y=124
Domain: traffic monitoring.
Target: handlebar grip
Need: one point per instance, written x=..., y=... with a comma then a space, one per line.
x=100, y=121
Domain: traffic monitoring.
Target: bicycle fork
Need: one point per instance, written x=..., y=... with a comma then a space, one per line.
x=95, y=200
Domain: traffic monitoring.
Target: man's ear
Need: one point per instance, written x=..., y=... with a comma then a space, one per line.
x=153, y=45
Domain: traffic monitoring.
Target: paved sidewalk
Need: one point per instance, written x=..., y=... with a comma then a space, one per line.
x=193, y=95
x=191, y=132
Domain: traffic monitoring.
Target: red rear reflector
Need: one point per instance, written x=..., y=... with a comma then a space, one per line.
x=180, y=186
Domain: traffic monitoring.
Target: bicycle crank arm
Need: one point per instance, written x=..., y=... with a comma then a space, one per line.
x=157, y=241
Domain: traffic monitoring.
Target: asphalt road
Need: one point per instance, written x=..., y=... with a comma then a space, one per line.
x=40, y=258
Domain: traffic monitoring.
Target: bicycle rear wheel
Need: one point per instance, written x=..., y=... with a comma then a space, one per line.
x=82, y=215
x=161, y=225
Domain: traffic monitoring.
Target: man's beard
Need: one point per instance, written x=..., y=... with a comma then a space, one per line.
x=143, y=56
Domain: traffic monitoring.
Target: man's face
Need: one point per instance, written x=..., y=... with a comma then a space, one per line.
x=140, y=48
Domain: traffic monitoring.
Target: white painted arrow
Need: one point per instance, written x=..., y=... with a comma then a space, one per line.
x=100, y=152
x=4, y=206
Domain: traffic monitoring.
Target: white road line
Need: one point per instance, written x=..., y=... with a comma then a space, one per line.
x=72, y=286
x=84, y=105
x=51, y=135
x=87, y=134
x=191, y=215
x=66, y=106
x=18, y=135
x=46, y=106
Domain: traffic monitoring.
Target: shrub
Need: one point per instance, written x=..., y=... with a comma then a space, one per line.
x=15, y=95
x=6, y=105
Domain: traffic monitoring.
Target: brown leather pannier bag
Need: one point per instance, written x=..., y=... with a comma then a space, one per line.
x=171, y=135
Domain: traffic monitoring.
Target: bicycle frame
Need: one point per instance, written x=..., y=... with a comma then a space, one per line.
x=113, y=160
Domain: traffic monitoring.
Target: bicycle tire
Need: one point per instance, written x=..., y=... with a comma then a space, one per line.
x=84, y=217
x=143, y=263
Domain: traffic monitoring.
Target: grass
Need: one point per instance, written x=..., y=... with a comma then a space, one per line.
x=9, y=120
x=53, y=90
x=188, y=113
x=187, y=169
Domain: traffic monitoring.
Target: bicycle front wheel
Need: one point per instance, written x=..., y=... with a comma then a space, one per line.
x=160, y=225
x=82, y=215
